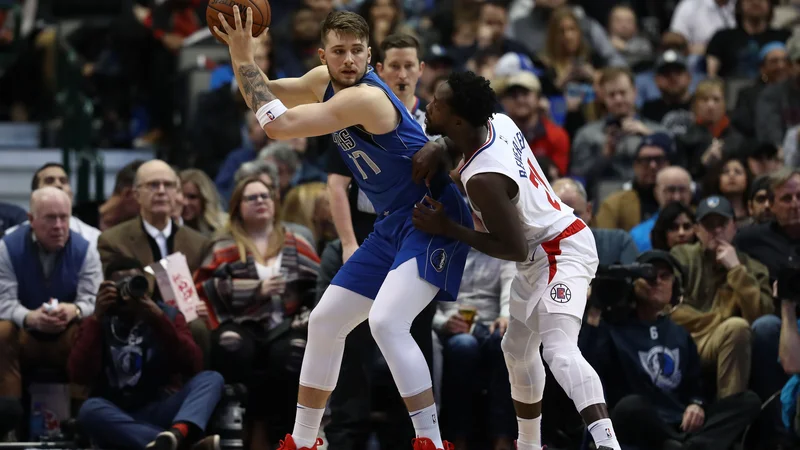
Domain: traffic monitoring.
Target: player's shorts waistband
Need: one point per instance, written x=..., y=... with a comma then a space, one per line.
x=553, y=247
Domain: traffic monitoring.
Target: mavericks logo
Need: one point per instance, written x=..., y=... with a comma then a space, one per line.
x=663, y=366
x=438, y=259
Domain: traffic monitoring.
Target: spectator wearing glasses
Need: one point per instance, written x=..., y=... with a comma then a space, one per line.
x=673, y=184
x=41, y=261
x=257, y=284
x=153, y=235
x=55, y=175
x=726, y=292
x=627, y=208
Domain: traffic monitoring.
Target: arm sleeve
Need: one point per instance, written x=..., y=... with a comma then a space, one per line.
x=90, y=278
x=10, y=306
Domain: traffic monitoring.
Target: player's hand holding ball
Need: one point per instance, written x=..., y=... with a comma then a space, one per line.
x=239, y=37
x=429, y=216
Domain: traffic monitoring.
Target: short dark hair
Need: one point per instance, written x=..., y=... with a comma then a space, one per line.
x=760, y=183
x=473, y=98
x=127, y=176
x=345, y=22
x=121, y=263
x=763, y=151
x=35, y=180
x=400, y=40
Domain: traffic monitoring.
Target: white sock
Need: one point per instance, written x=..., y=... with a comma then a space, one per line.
x=530, y=433
x=603, y=434
x=426, y=425
x=306, y=426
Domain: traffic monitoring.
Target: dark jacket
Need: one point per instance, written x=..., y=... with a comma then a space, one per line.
x=657, y=360
x=132, y=370
x=693, y=144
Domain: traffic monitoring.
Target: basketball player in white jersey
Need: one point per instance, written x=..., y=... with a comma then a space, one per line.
x=526, y=222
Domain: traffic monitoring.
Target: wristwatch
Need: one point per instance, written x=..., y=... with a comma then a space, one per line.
x=78, y=313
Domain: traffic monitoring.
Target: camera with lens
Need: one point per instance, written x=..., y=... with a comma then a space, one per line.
x=134, y=287
x=612, y=288
x=789, y=281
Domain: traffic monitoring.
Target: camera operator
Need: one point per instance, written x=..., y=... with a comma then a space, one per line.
x=138, y=356
x=651, y=370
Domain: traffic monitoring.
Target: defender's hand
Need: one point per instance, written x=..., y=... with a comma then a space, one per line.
x=429, y=216
x=427, y=162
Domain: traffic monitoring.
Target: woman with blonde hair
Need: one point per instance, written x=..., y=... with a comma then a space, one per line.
x=257, y=284
x=202, y=207
x=571, y=67
x=309, y=205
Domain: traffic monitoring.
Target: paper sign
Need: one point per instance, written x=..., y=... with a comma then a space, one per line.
x=176, y=284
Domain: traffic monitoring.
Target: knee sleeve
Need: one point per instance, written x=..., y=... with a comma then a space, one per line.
x=525, y=369
x=338, y=312
x=576, y=376
x=401, y=298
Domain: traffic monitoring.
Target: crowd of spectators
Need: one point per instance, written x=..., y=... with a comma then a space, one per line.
x=669, y=126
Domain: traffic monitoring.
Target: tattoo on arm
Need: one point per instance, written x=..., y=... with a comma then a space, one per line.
x=254, y=89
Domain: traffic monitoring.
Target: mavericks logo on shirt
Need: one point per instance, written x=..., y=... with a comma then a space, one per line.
x=662, y=365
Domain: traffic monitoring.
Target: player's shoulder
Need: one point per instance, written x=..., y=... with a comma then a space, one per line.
x=504, y=129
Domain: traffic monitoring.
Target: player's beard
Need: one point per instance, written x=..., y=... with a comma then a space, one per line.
x=341, y=85
x=430, y=128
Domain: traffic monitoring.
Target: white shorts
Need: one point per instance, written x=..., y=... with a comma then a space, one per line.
x=558, y=275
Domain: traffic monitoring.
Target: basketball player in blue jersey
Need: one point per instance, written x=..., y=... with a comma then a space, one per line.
x=398, y=270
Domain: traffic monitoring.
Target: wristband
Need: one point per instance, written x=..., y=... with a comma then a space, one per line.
x=270, y=112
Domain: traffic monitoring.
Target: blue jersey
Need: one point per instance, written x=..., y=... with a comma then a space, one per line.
x=381, y=166
x=381, y=163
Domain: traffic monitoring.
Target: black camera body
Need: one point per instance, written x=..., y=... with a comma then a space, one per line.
x=612, y=288
x=789, y=281
x=134, y=287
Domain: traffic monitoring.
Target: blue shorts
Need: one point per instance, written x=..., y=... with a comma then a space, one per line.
x=394, y=240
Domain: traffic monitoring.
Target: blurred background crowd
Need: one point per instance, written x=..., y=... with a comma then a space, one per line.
x=672, y=127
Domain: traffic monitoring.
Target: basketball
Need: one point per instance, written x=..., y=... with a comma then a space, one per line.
x=261, y=14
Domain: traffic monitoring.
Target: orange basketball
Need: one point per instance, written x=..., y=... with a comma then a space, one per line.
x=261, y=14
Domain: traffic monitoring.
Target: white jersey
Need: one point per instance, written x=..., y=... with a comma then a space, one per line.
x=506, y=151
x=562, y=254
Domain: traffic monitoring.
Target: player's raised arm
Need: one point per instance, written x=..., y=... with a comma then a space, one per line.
x=360, y=105
x=299, y=91
x=491, y=193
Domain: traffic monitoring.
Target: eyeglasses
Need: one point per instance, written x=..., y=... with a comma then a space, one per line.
x=155, y=186
x=252, y=198
x=665, y=276
x=648, y=160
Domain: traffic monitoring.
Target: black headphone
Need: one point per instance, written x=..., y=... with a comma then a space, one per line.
x=678, y=270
